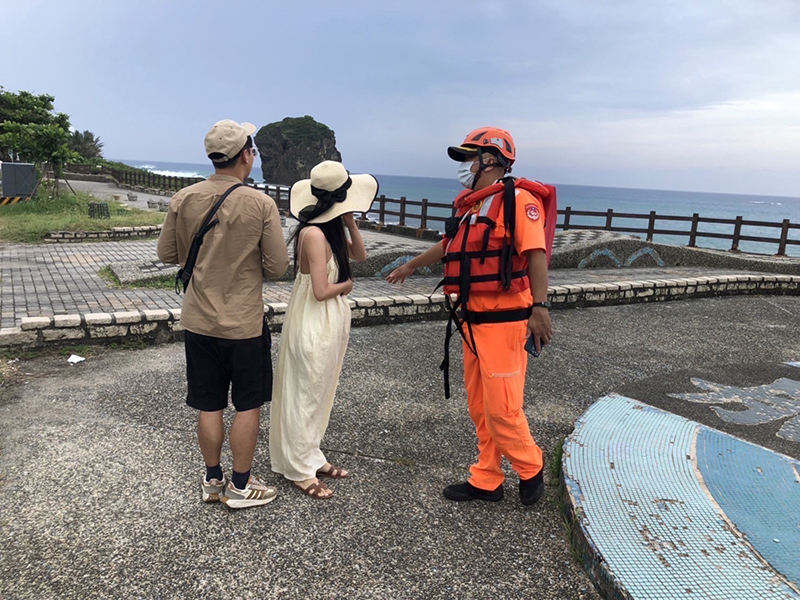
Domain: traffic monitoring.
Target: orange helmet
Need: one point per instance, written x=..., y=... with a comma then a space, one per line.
x=499, y=141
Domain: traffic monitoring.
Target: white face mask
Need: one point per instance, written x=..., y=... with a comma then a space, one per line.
x=465, y=176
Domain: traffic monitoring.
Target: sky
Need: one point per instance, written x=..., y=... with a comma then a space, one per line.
x=692, y=95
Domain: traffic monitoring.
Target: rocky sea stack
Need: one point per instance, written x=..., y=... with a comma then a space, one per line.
x=290, y=148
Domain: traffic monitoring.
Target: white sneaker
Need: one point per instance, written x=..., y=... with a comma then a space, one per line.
x=255, y=493
x=212, y=490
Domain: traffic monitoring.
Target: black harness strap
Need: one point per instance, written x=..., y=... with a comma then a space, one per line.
x=485, y=278
x=184, y=275
x=505, y=276
x=509, y=218
x=500, y=316
x=473, y=254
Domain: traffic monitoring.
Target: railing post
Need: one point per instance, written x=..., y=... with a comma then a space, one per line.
x=382, y=213
x=784, y=238
x=737, y=232
x=693, y=234
x=402, y=210
x=423, y=222
x=567, y=213
x=651, y=225
x=609, y=216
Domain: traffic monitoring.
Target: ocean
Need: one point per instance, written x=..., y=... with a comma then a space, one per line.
x=598, y=199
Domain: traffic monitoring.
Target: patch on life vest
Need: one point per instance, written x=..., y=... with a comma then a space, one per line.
x=532, y=211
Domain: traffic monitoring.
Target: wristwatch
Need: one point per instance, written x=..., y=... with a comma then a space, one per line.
x=541, y=304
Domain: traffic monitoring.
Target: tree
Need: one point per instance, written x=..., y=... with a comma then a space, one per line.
x=31, y=131
x=86, y=144
x=24, y=108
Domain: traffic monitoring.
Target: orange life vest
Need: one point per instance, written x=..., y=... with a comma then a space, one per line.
x=480, y=258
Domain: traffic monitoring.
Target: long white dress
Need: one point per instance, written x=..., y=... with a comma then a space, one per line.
x=312, y=347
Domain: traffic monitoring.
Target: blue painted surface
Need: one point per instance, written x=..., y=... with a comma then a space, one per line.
x=759, y=491
x=597, y=254
x=629, y=467
x=644, y=252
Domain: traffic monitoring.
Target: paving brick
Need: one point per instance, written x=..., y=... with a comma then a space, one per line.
x=404, y=310
x=383, y=301
x=156, y=315
x=107, y=331
x=142, y=328
x=127, y=317
x=97, y=319
x=14, y=336
x=61, y=321
x=418, y=299
x=53, y=335
x=364, y=302
x=29, y=323
x=36, y=289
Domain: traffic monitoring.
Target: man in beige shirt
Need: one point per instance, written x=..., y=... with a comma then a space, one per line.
x=226, y=339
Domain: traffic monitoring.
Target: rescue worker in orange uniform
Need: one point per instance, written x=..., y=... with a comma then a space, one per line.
x=495, y=251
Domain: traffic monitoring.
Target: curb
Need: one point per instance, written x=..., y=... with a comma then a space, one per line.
x=163, y=325
x=115, y=233
x=159, y=326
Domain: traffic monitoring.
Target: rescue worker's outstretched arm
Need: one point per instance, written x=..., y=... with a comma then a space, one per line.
x=539, y=324
x=431, y=255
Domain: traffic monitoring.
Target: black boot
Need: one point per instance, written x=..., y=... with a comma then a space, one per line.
x=466, y=491
x=531, y=490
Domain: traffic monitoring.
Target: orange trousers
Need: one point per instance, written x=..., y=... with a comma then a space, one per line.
x=495, y=380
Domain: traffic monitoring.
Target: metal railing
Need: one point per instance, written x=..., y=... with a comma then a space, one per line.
x=153, y=180
x=418, y=212
x=425, y=214
x=693, y=233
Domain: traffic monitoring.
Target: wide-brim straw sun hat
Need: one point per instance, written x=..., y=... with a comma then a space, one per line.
x=331, y=192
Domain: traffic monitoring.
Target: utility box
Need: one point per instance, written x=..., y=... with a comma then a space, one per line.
x=19, y=179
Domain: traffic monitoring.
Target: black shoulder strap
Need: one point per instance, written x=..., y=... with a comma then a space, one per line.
x=509, y=217
x=185, y=274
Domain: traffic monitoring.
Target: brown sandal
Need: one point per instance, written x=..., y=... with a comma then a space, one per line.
x=314, y=490
x=333, y=473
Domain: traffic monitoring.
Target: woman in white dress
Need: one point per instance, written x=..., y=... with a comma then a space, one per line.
x=316, y=326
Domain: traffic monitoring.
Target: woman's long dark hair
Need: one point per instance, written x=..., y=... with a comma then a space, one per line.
x=334, y=233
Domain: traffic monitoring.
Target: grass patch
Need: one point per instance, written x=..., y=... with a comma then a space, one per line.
x=31, y=221
x=569, y=525
x=107, y=275
x=160, y=282
x=555, y=460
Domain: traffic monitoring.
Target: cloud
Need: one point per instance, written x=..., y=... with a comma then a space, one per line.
x=620, y=91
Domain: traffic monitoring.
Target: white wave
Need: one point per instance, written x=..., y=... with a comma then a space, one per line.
x=176, y=173
x=148, y=167
x=758, y=202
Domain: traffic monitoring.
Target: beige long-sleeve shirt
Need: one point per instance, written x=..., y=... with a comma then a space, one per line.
x=224, y=296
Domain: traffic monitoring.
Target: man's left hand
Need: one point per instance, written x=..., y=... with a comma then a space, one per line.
x=540, y=327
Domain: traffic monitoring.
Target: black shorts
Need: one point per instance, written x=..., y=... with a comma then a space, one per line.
x=213, y=364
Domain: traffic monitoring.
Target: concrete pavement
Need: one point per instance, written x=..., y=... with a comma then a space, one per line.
x=100, y=468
